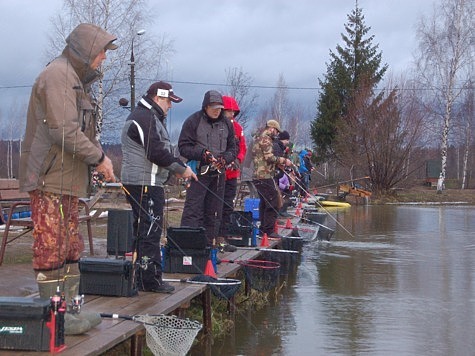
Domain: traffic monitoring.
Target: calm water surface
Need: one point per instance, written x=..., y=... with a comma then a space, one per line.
x=394, y=280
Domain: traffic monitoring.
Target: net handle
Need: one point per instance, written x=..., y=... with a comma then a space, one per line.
x=219, y=281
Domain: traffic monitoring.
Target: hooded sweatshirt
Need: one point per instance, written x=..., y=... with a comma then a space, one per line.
x=60, y=144
x=231, y=104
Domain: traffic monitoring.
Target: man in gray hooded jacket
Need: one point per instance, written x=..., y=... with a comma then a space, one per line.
x=59, y=148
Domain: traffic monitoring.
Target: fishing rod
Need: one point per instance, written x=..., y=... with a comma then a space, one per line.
x=320, y=205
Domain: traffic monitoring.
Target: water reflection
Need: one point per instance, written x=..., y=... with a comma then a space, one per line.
x=395, y=280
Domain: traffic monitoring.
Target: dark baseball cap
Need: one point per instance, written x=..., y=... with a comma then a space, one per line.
x=164, y=90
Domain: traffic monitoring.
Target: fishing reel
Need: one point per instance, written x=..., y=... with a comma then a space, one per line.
x=76, y=303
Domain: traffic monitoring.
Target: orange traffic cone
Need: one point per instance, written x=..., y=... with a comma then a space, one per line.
x=288, y=224
x=209, y=270
x=265, y=241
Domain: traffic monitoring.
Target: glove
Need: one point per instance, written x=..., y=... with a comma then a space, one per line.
x=236, y=164
x=220, y=163
x=207, y=157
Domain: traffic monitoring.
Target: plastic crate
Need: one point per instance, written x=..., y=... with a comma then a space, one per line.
x=23, y=323
x=240, y=229
x=106, y=276
x=252, y=205
x=191, y=261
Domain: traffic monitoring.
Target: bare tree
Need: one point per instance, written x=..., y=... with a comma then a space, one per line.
x=443, y=62
x=239, y=86
x=123, y=18
x=380, y=134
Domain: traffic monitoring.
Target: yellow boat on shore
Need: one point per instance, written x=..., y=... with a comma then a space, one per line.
x=331, y=203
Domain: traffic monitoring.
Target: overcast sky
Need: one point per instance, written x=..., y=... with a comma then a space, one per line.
x=265, y=38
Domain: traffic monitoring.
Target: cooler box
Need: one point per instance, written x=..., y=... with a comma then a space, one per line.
x=252, y=205
x=120, y=232
x=179, y=238
x=240, y=229
x=23, y=323
x=191, y=261
x=107, y=276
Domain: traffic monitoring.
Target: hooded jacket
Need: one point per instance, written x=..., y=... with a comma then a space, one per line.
x=230, y=103
x=60, y=144
x=200, y=133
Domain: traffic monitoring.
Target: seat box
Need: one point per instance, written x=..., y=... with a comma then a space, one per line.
x=107, y=276
x=240, y=229
x=252, y=205
x=191, y=261
x=23, y=323
x=182, y=238
x=120, y=232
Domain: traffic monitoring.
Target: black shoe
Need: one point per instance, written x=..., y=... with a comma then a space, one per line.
x=225, y=247
x=163, y=287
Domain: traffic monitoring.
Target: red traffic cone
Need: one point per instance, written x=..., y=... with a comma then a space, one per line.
x=315, y=192
x=265, y=241
x=209, y=270
x=288, y=224
x=297, y=212
x=276, y=227
x=300, y=205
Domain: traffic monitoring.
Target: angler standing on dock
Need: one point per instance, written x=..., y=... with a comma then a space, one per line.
x=59, y=148
x=207, y=139
x=265, y=165
x=146, y=165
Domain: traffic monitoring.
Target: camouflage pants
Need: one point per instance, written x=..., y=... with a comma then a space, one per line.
x=56, y=230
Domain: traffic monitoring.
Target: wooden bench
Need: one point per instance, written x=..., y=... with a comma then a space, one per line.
x=12, y=201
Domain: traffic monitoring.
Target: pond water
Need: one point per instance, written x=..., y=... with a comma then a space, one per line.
x=394, y=280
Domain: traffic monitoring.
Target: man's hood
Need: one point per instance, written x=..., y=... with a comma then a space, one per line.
x=83, y=45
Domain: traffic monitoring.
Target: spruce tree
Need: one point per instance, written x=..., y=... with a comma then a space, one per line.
x=356, y=63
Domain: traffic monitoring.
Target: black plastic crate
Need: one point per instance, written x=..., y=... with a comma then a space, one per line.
x=23, y=323
x=107, y=276
x=184, y=237
x=191, y=261
x=119, y=232
x=240, y=228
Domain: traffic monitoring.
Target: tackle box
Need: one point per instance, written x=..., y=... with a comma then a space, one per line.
x=179, y=238
x=191, y=261
x=107, y=276
x=119, y=232
x=23, y=323
x=240, y=231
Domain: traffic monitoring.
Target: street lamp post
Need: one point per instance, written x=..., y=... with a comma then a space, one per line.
x=132, y=72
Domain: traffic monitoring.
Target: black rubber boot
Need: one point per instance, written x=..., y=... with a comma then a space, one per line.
x=149, y=277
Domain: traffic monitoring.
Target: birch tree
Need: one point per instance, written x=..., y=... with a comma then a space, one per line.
x=446, y=40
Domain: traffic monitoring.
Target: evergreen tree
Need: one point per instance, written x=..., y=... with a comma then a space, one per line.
x=357, y=63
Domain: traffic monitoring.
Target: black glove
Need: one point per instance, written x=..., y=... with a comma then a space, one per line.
x=206, y=157
x=220, y=163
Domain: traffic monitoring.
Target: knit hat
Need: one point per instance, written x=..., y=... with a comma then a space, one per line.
x=284, y=135
x=164, y=90
x=274, y=124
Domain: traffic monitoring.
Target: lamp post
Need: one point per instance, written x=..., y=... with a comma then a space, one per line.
x=132, y=71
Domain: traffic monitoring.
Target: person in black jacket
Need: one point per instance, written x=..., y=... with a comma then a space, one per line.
x=207, y=142
x=147, y=162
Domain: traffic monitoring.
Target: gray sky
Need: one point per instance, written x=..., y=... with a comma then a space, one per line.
x=265, y=38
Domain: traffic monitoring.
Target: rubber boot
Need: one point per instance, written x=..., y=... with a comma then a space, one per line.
x=149, y=277
x=48, y=282
x=71, y=289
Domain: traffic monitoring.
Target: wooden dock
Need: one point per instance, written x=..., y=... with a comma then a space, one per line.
x=112, y=332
